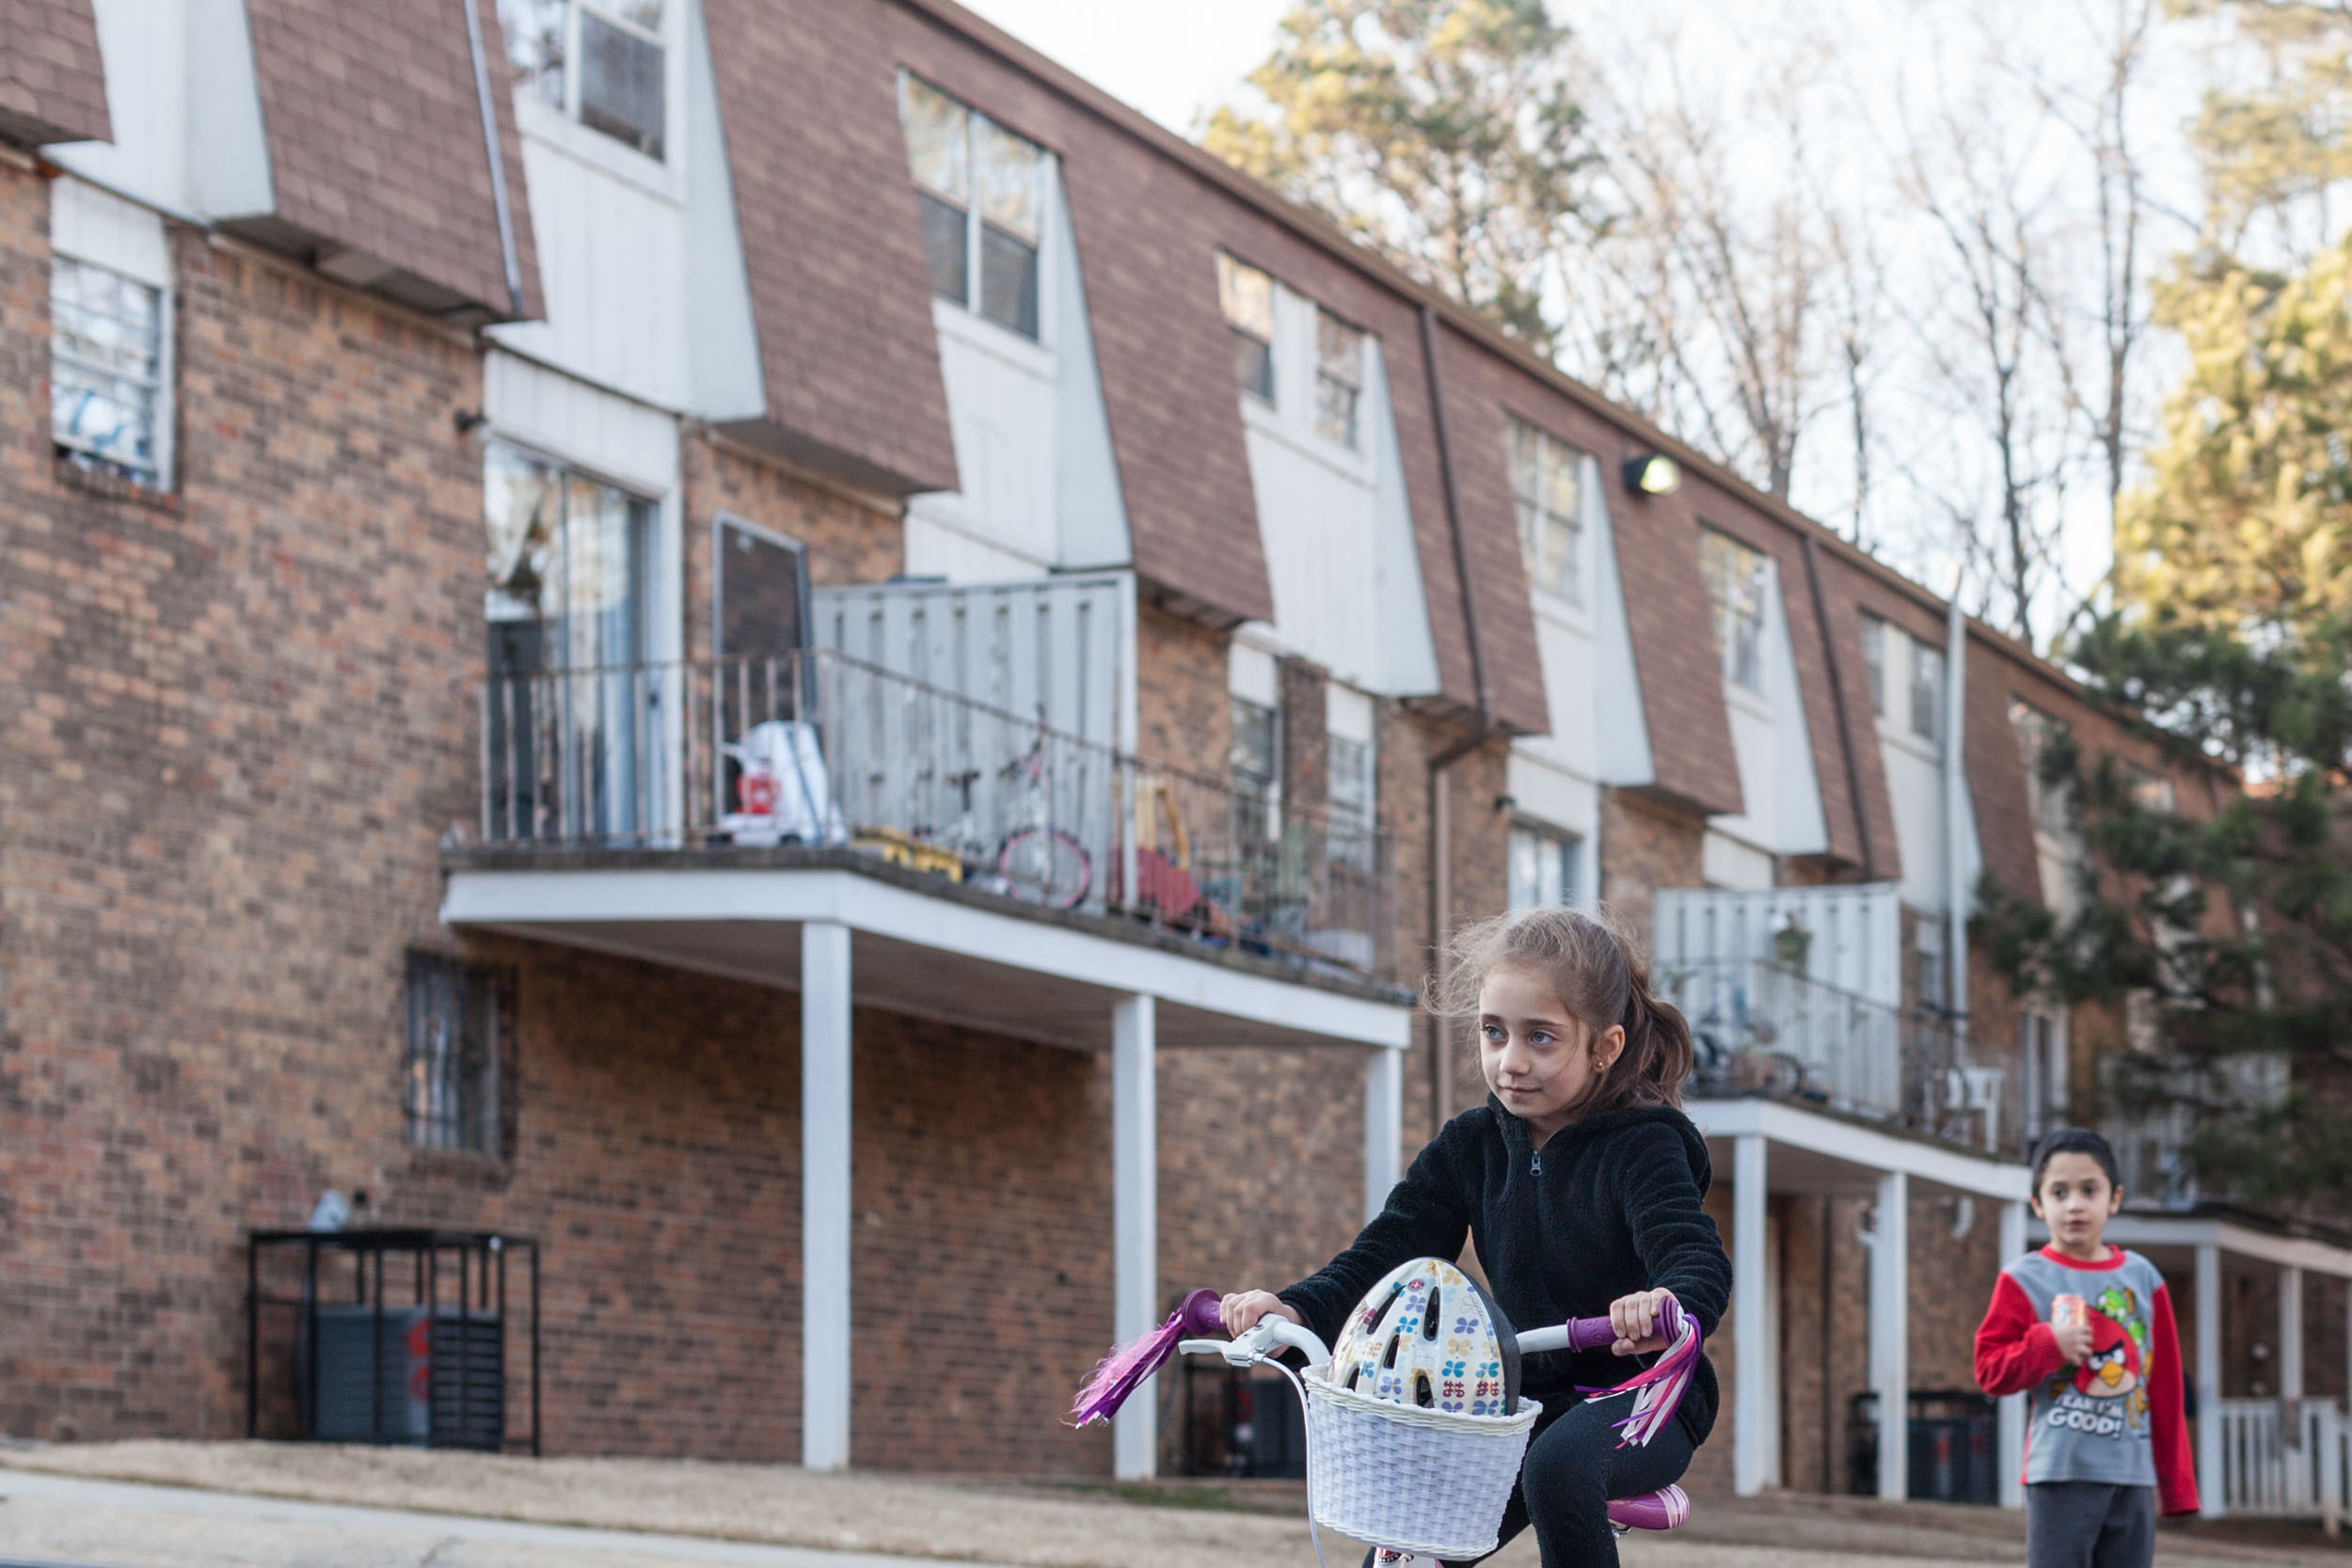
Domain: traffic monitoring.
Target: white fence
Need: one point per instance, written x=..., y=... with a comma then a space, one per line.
x=2300, y=1468
x=1851, y=932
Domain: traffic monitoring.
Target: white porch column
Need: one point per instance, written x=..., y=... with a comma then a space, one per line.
x=1384, y=1127
x=2013, y=1407
x=1135, y=1220
x=2290, y=1333
x=824, y=1196
x=1754, y=1423
x=1890, y=1332
x=2209, y=1381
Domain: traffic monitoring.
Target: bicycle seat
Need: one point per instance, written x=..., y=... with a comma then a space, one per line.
x=1663, y=1508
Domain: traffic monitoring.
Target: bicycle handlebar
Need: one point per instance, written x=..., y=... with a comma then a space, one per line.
x=1200, y=1313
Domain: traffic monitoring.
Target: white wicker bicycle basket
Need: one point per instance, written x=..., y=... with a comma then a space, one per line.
x=1424, y=1481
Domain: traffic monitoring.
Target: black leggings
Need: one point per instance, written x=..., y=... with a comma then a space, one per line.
x=1574, y=1467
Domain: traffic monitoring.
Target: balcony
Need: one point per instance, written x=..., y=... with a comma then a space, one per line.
x=817, y=759
x=818, y=823
x=1761, y=1026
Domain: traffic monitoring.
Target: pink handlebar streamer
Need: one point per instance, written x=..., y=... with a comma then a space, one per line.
x=1656, y=1390
x=1129, y=1366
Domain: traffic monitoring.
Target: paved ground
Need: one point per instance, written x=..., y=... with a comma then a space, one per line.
x=237, y=1505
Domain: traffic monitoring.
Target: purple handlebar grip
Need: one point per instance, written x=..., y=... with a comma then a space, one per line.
x=1200, y=1313
x=1596, y=1334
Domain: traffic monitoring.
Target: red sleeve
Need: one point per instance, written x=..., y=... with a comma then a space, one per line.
x=2016, y=1349
x=2168, y=1423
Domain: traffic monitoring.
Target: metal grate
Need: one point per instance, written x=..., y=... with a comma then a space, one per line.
x=454, y=1089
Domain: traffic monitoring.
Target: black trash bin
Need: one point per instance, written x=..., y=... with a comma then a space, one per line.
x=399, y=1335
x=1953, y=1445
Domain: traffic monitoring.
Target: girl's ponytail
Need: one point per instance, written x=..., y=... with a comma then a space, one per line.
x=1658, y=1055
x=1594, y=962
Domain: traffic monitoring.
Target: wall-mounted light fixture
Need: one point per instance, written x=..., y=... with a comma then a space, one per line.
x=1652, y=473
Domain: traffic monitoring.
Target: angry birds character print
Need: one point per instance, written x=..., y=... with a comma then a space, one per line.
x=2116, y=1368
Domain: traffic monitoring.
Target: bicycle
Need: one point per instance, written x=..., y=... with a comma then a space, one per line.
x=1421, y=1484
x=1041, y=860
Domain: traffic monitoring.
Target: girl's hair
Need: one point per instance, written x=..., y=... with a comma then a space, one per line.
x=1596, y=965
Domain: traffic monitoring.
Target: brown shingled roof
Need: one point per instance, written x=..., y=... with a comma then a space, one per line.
x=376, y=144
x=832, y=240
x=53, y=83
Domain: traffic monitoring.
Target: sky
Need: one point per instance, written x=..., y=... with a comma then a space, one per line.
x=1167, y=58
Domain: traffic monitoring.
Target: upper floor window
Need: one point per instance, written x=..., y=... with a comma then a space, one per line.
x=1736, y=576
x=1547, y=491
x=1339, y=378
x=109, y=388
x=982, y=194
x=2150, y=791
x=601, y=62
x=1927, y=691
x=1246, y=296
x=1874, y=661
x=2037, y=732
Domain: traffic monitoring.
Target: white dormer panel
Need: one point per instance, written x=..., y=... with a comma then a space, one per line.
x=641, y=266
x=1621, y=753
x=1334, y=521
x=1039, y=482
x=1782, y=795
x=1915, y=787
x=185, y=108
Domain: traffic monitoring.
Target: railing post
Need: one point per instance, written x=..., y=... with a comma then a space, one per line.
x=2013, y=1408
x=1890, y=1332
x=2211, y=1483
x=1135, y=1217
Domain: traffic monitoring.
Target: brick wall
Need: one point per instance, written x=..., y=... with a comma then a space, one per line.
x=234, y=723
x=1645, y=847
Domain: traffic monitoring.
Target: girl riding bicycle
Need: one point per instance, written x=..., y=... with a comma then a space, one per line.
x=1581, y=1183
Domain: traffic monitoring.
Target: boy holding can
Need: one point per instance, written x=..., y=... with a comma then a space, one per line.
x=2088, y=1330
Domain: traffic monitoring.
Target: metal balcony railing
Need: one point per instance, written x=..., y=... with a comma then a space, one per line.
x=815, y=747
x=1763, y=1027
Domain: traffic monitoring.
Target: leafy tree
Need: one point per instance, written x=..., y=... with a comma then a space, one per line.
x=2247, y=513
x=2272, y=146
x=1446, y=133
x=2238, y=927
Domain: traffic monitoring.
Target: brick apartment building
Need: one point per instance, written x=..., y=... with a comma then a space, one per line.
x=457, y=463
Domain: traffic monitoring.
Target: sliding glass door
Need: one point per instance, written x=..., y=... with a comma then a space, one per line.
x=572, y=732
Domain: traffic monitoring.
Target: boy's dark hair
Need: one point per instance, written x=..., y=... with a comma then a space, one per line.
x=2074, y=1140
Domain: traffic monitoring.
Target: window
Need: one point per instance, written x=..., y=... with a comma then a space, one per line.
x=457, y=1057
x=1927, y=691
x=1256, y=763
x=2044, y=1065
x=2037, y=732
x=982, y=194
x=1931, y=985
x=109, y=400
x=1339, y=378
x=1874, y=661
x=567, y=607
x=2150, y=791
x=619, y=85
x=1543, y=867
x=1548, y=488
x=1354, y=801
x=1246, y=296
x=1735, y=576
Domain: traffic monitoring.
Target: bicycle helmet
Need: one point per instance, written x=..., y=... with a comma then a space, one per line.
x=1428, y=1335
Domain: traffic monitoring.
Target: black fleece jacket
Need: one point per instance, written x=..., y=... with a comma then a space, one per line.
x=1611, y=1204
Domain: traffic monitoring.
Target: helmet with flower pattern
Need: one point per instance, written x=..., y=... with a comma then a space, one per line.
x=1430, y=1336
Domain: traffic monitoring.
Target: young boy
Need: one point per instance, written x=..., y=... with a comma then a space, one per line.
x=2088, y=1328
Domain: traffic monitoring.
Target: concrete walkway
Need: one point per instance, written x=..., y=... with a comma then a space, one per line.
x=239, y=1505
